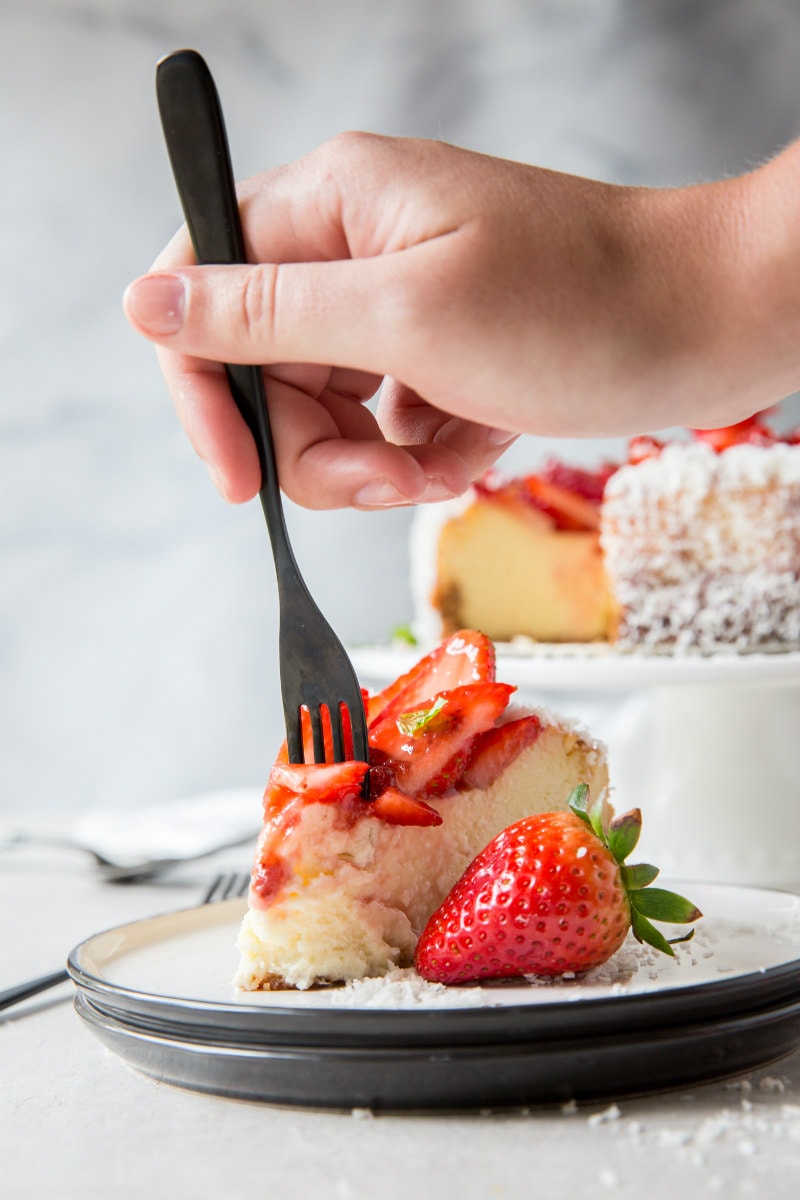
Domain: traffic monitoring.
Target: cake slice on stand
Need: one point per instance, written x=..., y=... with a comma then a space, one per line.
x=343, y=884
x=515, y=558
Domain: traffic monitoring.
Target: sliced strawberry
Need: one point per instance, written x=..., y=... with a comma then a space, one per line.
x=398, y=808
x=466, y=657
x=327, y=733
x=752, y=431
x=588, y=484
x=430, y=746
x=643, y=447
x=569, y=510
x=341, y=784
x=325, y=783
x=495, y=749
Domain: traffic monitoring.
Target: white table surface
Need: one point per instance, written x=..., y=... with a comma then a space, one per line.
x=77, y=1121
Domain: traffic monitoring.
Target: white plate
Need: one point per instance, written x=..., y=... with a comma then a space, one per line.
x=191, y=956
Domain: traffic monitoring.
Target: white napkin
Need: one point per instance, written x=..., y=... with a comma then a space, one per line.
x=177, y=828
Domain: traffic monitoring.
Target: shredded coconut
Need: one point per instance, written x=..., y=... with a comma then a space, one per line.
x=403, y=988
x=751, y=1129
x=703, y=549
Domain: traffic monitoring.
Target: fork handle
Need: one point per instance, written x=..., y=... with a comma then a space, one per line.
x=24, y=991
x=197, y=144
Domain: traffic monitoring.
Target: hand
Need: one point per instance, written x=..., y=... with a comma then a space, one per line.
x=488, y=298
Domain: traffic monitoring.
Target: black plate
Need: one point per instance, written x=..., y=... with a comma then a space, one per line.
x=460, y=1077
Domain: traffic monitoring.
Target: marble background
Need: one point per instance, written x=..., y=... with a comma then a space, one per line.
x=137, y=610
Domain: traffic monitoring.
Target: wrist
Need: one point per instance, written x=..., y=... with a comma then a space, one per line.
x=770, y=209
x=717, y=301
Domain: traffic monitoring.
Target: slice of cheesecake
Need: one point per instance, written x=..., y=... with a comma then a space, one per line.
x=342, y=886
x=516, y=558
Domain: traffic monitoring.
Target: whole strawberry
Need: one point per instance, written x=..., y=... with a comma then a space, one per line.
x=549, y=895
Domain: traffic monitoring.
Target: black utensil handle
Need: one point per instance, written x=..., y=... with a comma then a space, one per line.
x=24, y=991
x=197, y=144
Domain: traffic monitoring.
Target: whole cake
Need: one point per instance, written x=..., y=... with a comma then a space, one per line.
x=691, y=545
x=343, y=884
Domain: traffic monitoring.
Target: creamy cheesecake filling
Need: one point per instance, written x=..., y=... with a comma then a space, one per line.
x=503, y=568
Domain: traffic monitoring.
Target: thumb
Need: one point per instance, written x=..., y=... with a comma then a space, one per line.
x=349, y=313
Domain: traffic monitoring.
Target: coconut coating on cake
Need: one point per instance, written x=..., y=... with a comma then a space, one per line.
x=702, y=550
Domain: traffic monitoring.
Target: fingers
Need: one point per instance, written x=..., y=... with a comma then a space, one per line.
x=330, y=450
x=351, y=313
x=407, y=419
x=213, y=424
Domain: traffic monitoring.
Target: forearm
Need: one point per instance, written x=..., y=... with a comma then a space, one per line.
x=718, y=293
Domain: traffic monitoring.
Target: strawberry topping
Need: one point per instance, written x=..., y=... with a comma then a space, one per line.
x=643, y=447
x=430, y=747
x=424, y=731
x=569, y=496
x=496, y=748
x=465, y=657
x=751, y=432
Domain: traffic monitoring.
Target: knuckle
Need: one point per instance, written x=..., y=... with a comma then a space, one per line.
x=353, y=144
x=258, y=303
x=352, y=154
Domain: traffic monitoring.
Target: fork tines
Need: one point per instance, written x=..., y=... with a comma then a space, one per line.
x=329, y=733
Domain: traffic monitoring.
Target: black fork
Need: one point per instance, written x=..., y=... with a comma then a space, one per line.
x=316, y=673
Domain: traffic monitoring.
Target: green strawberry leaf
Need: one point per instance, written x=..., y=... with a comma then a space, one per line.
x=578, y=799
x=623, y=834
x=662, y=905
x=421, y=720
x=590, y=814
x=578, y=803
x=643, y=931
x=596, y=819
x=639, y=875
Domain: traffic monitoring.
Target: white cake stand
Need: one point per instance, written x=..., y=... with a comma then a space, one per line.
x=707, y=746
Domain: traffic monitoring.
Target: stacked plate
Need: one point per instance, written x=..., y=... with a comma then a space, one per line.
x=157, y=993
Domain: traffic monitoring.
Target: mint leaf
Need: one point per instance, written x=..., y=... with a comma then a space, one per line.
x=422, y=719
